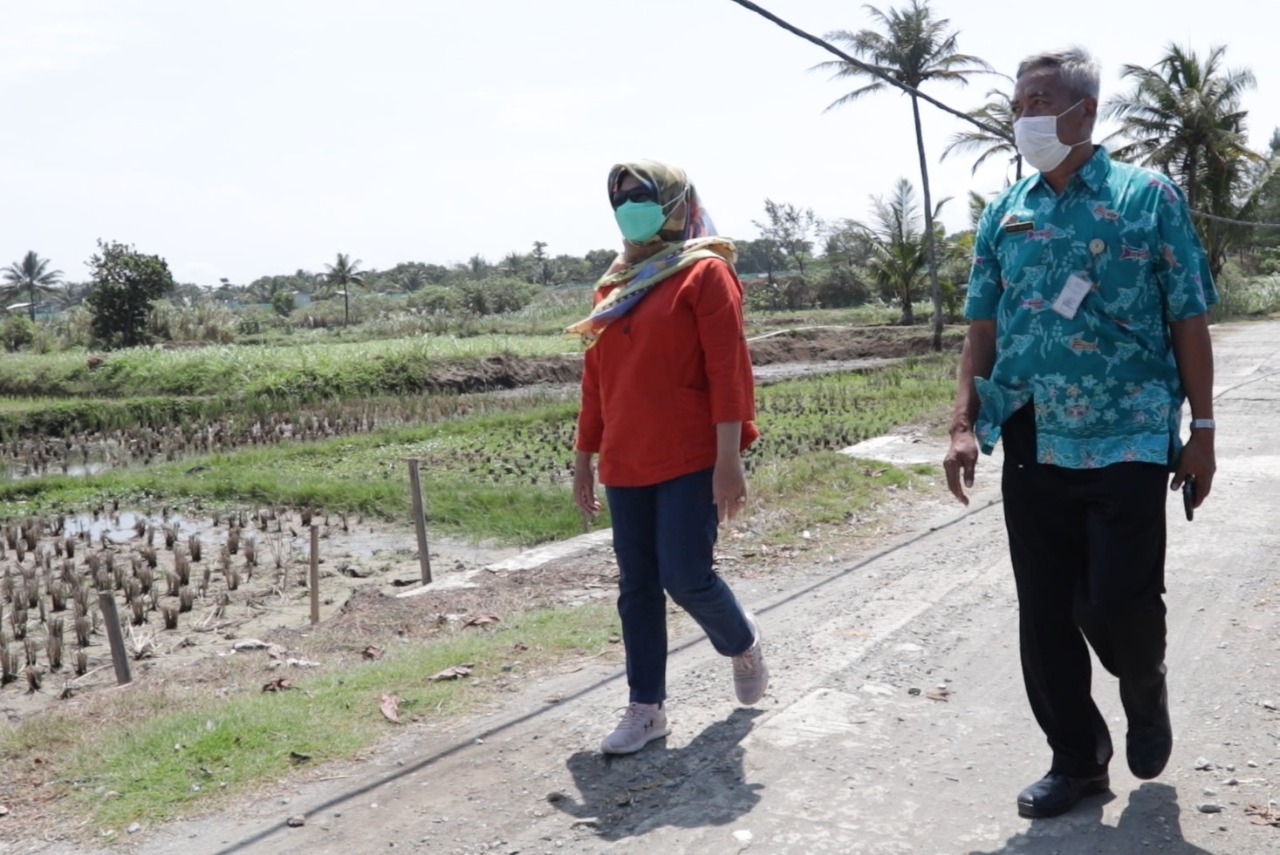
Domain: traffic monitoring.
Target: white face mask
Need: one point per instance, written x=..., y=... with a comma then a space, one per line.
x=1038, y=143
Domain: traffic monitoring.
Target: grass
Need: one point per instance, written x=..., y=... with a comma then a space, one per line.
x=870, y=314
x=826, y=488
x=308, y=370
x=504, y=475
x=193, y=751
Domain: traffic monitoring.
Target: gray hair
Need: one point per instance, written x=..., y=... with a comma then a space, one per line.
x=1077, y=69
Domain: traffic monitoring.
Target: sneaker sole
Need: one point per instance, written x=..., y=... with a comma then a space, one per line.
x=750, y=701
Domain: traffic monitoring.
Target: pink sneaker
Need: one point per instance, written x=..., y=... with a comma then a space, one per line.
x=750, y=674
x=640, y=725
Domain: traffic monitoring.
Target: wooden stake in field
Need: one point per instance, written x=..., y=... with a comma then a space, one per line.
x=119, y=656
x=419, y=520
x=315, y=573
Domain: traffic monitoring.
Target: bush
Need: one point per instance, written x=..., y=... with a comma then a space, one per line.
x=18, y=332
x=70, y=329
x=786, y=293
x=1242, y=296
x=435, y=299
x=205, y=324
x=495, y=296
x=952, y=301
x=840, y=288
x=282, y=303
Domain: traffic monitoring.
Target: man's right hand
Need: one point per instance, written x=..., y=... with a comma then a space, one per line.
x=960, y=461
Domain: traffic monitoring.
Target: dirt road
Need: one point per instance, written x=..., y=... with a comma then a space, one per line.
x=896, y=721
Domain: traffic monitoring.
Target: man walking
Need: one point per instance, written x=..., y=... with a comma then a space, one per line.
x=1087, y=304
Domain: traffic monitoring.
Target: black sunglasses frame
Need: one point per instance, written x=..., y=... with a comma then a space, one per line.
x=641, y=193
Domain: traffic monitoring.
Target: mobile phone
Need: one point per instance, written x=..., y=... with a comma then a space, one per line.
x=1189, y=497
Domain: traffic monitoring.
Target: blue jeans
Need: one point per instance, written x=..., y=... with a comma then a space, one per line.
x=663, y=536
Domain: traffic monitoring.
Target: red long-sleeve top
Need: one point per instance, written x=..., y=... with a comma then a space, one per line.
x=664, y=375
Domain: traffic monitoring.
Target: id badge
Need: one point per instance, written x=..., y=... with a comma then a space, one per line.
x=1073, y=294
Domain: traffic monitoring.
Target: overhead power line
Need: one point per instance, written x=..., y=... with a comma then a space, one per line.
x=873, y=70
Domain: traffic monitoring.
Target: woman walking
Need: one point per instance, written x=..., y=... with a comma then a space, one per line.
x=667, y=405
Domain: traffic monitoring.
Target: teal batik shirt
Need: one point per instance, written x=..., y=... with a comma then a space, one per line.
x=1104, y=382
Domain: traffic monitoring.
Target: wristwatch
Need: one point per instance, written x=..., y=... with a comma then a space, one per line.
x=1202, y=424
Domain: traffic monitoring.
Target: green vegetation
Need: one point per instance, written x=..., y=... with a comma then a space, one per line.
x=502, y=475
x=30, y=278
x=189, y=748
x=125, y=284
x=310, y=371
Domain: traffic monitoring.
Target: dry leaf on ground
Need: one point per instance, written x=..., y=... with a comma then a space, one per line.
x=938, y=694
x=279, y=684
x=372, y=653
x=390, y=707
x=452, y=673
x=480, y=620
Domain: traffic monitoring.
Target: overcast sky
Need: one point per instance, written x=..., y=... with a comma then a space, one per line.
x=244, y=138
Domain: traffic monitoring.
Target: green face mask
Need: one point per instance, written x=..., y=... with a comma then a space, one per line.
x=640, y=221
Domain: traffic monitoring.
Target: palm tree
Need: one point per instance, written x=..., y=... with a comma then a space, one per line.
x=515, y=265
x=1183, y=117
x=977, y=204
x=33, y=275
x=478, y=267
x=539, y=259
x=340, y=276
x=997, y=112
x=914, y=48
x=899, y=247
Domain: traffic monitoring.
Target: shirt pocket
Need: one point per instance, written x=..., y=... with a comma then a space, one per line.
x=1121, y=269
x=1023, y=262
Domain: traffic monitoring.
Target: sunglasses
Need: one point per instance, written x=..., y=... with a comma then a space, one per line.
x=635, y=194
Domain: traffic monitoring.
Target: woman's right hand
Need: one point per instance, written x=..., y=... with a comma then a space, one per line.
x=584, y=484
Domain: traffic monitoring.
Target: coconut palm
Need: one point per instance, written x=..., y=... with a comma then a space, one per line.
x=899, y=246
x=340, y=276
x=914, y=48
x=32, y=275
x=997, y=113
x=1183, y=117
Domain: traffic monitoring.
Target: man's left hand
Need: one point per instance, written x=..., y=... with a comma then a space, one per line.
x=1198, y=463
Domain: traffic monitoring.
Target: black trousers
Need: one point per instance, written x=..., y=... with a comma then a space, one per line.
x=1088, y=550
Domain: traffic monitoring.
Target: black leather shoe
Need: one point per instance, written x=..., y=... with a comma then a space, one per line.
x=1056, y=793
x=1148, y=746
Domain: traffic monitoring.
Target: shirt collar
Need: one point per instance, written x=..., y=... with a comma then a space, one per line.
x=1093, y=173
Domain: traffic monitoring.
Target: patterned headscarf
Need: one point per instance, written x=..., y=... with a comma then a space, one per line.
x=687, y=236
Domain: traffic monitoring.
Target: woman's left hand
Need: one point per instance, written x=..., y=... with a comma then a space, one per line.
x=729, y=486
x=584, y=485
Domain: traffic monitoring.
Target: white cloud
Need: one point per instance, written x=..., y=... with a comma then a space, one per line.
x=50, y=37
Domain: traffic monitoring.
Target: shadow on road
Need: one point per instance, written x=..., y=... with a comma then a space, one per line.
x=1149, y=823
x=702, y=784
